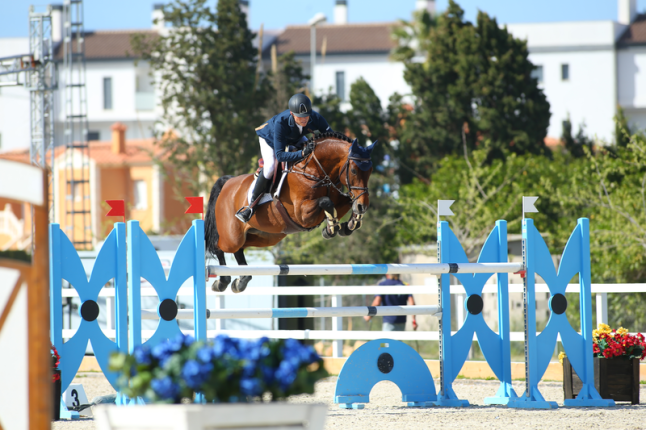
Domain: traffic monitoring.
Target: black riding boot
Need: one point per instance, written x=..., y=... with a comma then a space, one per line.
x=261, y=187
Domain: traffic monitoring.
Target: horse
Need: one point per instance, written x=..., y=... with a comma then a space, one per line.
x=311, y=193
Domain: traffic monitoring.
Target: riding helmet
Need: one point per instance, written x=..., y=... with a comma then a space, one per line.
x=300, y=105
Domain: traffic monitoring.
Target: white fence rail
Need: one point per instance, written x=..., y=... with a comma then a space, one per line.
x=337, y=334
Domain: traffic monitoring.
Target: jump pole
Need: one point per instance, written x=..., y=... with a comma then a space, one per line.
x=363, y=269
x=350, y=311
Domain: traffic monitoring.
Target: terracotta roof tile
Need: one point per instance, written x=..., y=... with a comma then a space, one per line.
x=138, y=151
x=341, y=39
x=107, y=45
x=635, y=34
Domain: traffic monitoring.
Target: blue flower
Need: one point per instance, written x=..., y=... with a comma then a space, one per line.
x=142, y=354
x=250, y=386
x=161, y=351
x=205, y=354
x=286, y=374
x=195, y=374
x=267, y=374
x=165, y=388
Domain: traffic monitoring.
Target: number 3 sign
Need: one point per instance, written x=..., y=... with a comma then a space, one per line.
x=74, y=397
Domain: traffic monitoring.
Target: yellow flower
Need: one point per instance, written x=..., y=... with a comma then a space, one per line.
x=622, y=330
x=561, y=356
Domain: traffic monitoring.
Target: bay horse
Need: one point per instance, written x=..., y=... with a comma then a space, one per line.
x=311, y=193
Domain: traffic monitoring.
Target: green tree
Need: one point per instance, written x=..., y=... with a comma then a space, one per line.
x=205, y=65
x=475, y=78
x=288, y=79
x=622, y=130
x=575, y=144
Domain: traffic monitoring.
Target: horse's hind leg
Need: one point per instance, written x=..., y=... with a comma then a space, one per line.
x=240, y=284
x=222, y=282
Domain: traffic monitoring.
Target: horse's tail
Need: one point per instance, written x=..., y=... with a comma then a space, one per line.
x=211, y=235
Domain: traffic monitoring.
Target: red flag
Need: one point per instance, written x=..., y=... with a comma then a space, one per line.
x=117, y=208
x=196, y=205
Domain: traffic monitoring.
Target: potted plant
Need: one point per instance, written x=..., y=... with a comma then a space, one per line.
x=616, y=365
x=224, y=382
x=56, y=380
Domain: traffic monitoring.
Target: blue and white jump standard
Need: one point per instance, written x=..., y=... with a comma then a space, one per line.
x=378, y=360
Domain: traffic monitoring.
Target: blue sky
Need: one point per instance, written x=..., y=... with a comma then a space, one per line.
x=275, y=14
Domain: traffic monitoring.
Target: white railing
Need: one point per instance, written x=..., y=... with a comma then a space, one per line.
x=337, y=334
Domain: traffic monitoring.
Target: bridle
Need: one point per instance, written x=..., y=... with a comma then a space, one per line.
x=326, y=181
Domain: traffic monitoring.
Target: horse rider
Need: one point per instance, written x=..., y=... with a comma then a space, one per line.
x=287, y=128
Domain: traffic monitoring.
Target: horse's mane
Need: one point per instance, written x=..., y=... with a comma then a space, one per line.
x=330, y=135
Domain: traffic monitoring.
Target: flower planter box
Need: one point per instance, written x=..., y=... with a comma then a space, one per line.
x=265, y=416
x=614, y=379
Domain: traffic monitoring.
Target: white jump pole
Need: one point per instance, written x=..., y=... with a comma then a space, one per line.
x=352, y=311
x=362, y=269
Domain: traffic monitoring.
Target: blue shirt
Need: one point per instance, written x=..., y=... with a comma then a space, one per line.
x=281, y=131
x=394, y=300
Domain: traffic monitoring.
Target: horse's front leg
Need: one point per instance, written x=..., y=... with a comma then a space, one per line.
x=332, y=227
x=353, y=224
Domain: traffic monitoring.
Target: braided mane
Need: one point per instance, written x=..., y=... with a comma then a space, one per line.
x=328, y=135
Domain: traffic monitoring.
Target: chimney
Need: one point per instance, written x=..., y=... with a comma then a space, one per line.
x=118, y=138
x=244, y=8
x=627, y=11
x=57, y=23
x=341, y=12
x=427, y=5
x=158, y=16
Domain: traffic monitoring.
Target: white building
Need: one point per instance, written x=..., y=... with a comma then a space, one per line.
x=586, y=70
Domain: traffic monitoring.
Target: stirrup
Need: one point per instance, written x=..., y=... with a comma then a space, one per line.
x=244, y=214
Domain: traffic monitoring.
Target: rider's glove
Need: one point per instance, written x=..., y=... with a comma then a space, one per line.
x=309, y=148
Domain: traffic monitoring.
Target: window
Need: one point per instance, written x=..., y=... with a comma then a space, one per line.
x=77, y=188
x=565, y=72
x=340, y=85
x=107, y=93
x=93, y=135
x=141, y=195
x=537, y=73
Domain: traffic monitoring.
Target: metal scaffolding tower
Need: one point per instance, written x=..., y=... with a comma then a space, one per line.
x=78, y=220
x=37, y=73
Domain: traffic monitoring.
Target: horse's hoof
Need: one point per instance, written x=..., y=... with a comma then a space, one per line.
x=345, y=230
x=221, y=284
x=240, y=284
x=326, y=234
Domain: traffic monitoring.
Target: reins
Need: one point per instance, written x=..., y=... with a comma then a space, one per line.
x=326, y=181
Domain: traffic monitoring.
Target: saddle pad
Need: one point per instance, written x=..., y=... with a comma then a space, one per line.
x=267, y=196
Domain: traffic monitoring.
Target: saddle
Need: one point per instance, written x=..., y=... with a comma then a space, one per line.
x=280, y=174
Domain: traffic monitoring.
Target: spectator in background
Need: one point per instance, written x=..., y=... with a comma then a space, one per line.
x=393, y=323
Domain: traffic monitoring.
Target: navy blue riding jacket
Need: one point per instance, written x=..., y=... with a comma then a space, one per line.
x=282, y=130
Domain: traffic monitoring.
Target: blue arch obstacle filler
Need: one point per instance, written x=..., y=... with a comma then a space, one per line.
x=384, y=360
x=539, y=348
x=143, y=262
x=65, y=264
x=454, y=349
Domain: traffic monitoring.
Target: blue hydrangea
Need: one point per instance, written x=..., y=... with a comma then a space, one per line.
x=250, y=386
x=165, y=388
x=142, y=354
x=286, y=374
x=195, y=374
x=205, y=354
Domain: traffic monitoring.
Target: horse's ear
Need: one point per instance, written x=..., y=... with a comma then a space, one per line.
x=371, y=147
x=353, y=147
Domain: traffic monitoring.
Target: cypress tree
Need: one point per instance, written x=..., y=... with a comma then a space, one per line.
x=473, y=89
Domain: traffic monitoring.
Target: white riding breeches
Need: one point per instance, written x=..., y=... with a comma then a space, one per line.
x=269, y=158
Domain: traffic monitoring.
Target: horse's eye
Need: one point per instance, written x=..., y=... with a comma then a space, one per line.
x=353, y=171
